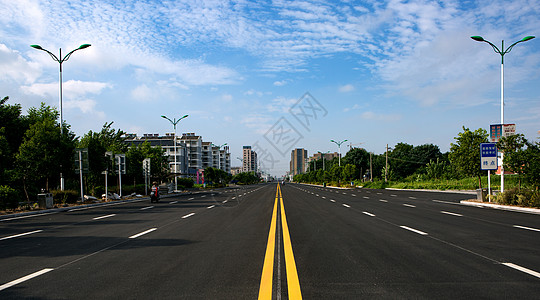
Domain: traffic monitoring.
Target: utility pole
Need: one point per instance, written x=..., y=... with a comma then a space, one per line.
x=386, y=168
x=370, y=167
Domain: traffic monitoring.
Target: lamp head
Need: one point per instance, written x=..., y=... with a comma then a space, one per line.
x=528, y=38
x=36, y=47
x=84, y=46
x=478, y=38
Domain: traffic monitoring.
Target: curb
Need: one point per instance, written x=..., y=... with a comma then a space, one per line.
x=535, y=211
x=436, y=191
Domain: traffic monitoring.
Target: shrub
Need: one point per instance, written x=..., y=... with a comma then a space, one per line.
x=9, y=198
x=66, y=196
x=185, y=183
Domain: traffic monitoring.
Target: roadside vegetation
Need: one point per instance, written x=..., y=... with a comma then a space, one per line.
x=425, y=167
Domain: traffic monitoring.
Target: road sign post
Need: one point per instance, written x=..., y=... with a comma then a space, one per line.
x=488, y=161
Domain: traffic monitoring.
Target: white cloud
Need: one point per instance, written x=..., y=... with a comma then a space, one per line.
x=143, y=93
x=346, y=88
x=15, y=68
x=226, y=97
x=280, y=83
x=354, y=107
x=71, y=88
x=281, y=104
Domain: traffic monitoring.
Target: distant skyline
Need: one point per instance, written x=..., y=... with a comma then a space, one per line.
x=278, y=75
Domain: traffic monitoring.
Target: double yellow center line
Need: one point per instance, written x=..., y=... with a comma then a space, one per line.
x=293, y=284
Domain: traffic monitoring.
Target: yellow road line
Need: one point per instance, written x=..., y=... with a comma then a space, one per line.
x=265, y=288
x=293, y=284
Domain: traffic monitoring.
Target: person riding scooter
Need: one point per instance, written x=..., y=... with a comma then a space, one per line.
x=154, y=194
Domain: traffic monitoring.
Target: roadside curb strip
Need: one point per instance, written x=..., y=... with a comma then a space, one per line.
x=435, y=191
x=61, y=209
x=502, y=207
x=328, y=186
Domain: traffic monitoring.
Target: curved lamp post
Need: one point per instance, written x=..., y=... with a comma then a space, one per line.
x=502, y=52
x=174, y=122
x=61, y=60
x=339, y=149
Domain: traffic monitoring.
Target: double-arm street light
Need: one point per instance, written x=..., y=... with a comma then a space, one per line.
x=502, y=52
x=339, y=149
x=174, y=122
x=61, y=60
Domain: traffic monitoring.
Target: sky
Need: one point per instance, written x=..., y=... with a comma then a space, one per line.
x=278, y=75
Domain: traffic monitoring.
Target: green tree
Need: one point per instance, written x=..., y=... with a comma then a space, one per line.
x=12, y=128
x=336, y=173
x=358, y=157
x=465, y=153
x=44, y=153
x=349, y=172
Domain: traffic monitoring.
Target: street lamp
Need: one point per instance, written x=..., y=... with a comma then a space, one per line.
x=339, y=149
x=60, y=60
x=174, y=122
x=502, y=52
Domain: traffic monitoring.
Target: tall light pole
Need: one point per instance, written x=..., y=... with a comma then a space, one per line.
x=174, y=122
x=502, y=52
x=339, y=149
x=61, y=60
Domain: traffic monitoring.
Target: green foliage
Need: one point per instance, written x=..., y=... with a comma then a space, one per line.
x=521, y=157
x=9, y=197
x=465, y=153
x=246, y=178
x=349, y=172
x=185, y=183
x=65, y=196
x=215, y=176
x=520, y=197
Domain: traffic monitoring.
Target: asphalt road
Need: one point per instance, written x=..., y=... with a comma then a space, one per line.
x=266, y=242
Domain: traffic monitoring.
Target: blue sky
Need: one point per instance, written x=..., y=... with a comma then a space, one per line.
x=377, y=72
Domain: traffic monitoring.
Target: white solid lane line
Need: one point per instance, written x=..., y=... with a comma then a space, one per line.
x=19, y=235
x=188, y=215
x=413, y=230
x=142, y=233
x=25, y=278
x=528, y=228
x=103, y=217
x=451, y=213
x=522, y=269
x=369, y=214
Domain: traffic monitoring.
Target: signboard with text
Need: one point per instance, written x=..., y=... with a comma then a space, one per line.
x=488, y=156
x=501, y=130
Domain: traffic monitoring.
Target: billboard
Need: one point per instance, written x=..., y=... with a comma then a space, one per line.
x=501, y=130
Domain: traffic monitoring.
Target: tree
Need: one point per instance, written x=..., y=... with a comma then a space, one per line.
x=349, y=172
x=12, y=128
x=336, y=173
x=44, y=153
x=358, y=157
x=465, y=153
x=521, y=157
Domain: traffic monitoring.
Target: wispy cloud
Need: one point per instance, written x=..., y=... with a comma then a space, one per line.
x=346, y=88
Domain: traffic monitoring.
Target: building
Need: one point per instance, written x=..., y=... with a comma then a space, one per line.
x=298, y=161
x=249, y=160
x=192, y=154
x=236, y=170
x=194, y=145
x=166, y=143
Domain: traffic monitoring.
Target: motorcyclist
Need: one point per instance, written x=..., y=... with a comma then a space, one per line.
x=154, y=194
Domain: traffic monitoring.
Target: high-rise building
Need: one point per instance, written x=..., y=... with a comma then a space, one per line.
x=194, y=150
x=298, y=161
x=249, y=161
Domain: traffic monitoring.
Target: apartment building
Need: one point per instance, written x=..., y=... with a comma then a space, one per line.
x=298, y=161
x=249, y=159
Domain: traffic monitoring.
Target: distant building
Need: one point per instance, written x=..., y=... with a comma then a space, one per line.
x=249, y=161
x=236, y=170
x=298, y=161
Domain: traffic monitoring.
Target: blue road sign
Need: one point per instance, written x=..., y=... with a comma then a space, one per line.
x=488, y=156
